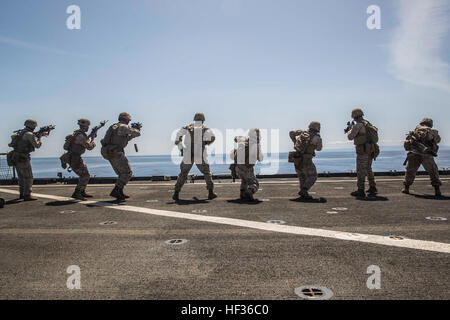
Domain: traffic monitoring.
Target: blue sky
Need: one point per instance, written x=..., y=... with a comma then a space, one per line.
x=244, y=63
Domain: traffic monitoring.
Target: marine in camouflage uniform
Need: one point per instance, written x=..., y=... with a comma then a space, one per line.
x=197, y=136
x=245, y=157
x=80, y=143
x=113, y=149
x=27, y=142
x=304, y=166
x=416, y=158
x=364, y=157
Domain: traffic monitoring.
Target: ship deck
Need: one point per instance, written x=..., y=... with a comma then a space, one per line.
x=232, y=251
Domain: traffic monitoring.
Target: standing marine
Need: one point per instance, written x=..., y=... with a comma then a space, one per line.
x=113, y=149
x=197, y=137
x=76, y=144
x=365, y=138
x=245, y=156
x=306, y=143
x=422, y=147
x=24, y=142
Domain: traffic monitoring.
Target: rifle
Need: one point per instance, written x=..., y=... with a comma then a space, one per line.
x=95, y=129
x=42, y=130
x=421, y=147
x=136, y=125
x=350, y=125
x=424, y=148
x=180, y=148
x=233, y=171
x=406, y=161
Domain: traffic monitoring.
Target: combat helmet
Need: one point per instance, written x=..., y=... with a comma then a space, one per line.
x=30, y=123
x=427, y=122
x=314, y=125
x=356, y=113
x=124, y=116
x=83, y=122
x=199, y=116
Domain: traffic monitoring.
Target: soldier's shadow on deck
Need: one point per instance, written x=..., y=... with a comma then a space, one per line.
x=13, y=201
x=244, y=201
x=372, y=198
x=106, y=203
x=430, y=197
x=314, y=200
x=61, y=203
x=185, y=202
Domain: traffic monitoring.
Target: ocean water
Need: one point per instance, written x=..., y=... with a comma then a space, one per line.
x=391, y=158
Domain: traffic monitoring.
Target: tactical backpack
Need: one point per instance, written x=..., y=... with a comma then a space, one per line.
x=242, y=147
x=15, y=138
x=108, y=150
x=303, y=141
x=371, y=133
x=109, y=135
x=372, y=139
x=191, y=145
x=69, y=139
x=419, y=140
x=421, y=134
x=301, y=144
x=13, y=157
x=191, y=130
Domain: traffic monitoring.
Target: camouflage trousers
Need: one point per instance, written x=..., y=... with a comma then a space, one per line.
x=79, y=167
x=186, y=167
x=363, y=170
x=25, y=177
x=427, y=161
x=306, y=172
x=248, y=178
x=122, y=168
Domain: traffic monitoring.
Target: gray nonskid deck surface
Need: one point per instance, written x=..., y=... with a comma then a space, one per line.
x=130, y=259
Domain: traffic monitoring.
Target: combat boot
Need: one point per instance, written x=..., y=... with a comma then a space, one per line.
x=78, y=195
x=125, y=196
x=86, y=195
x=405, y=189
x=211, y=194
x=249, y=195
x=243, y=195
x=372, y=191
x=176, y=195
x=304, y=194
x=29, y=197
x=437, y=191
x=115, y=193
x=358, y=193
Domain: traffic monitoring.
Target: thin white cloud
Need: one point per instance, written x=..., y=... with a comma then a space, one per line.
x=416, y=45
x=36, y=47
